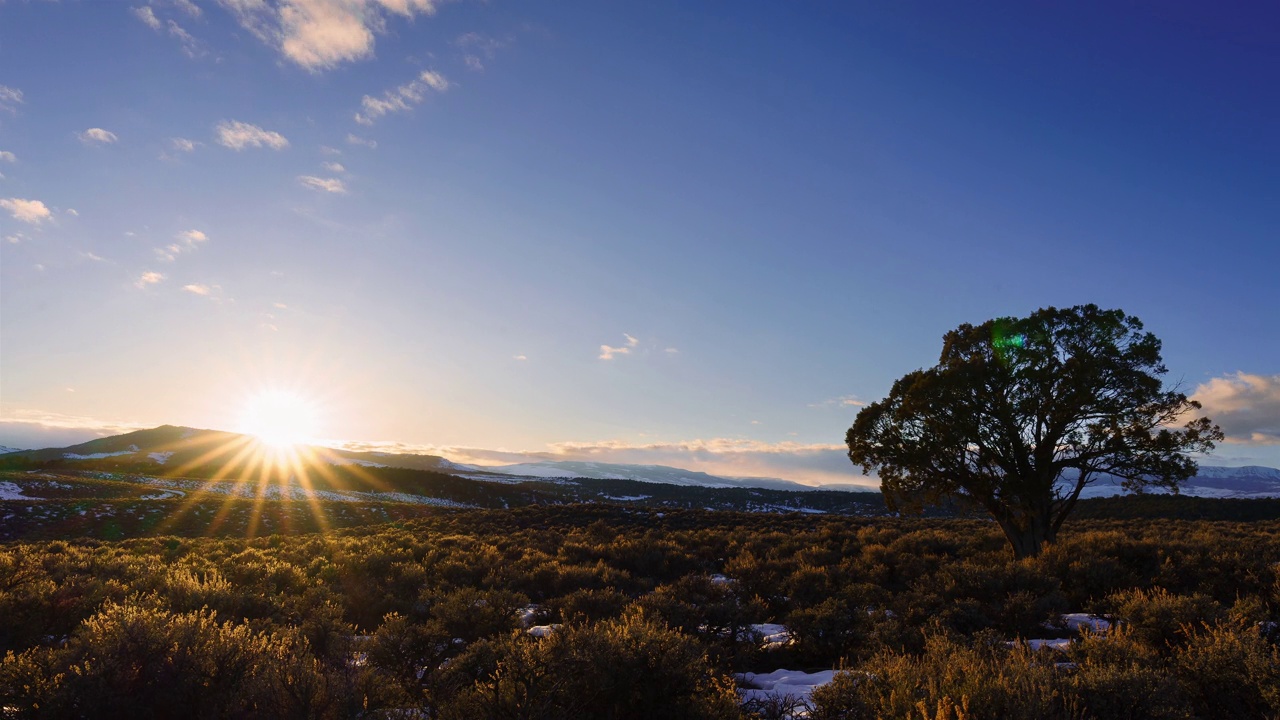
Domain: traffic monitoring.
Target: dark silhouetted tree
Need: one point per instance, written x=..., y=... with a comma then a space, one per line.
x=1021, y=414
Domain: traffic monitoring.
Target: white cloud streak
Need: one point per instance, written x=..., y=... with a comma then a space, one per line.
x=187, y=241
x=148, y=278
x=147, y=16
x=402, y=98
x=10, y=98
x=608, y=352
x=353, y=139
x=1246, y=406
x=240, y=135
x=322, y=34
x=329, y=185
x=334, y=167
x=33, y=212
x=7, y=156
x=97, y=136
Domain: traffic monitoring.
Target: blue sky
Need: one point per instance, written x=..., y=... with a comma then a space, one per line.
x=432, y=220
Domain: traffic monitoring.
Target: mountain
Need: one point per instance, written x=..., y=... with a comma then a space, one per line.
x=643, y=473
x=173, y=450
x=1210, y=481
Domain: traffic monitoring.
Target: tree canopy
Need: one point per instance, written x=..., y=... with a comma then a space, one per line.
x=1021, y=414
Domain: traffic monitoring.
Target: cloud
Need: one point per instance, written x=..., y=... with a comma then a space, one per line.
x=842, y=401
x=187, y=240
x=147, y=16
x=97, y=136
x=190, y=46
x=330, y=185
x=808, y=463
x=1245, y=406
x=148, y=278
x=478, y=48
x=7, y=156
x=240, y=135
x=183, y=144
x=402, y=98
x=72, y=212
x=10, y=98
x=91, y=256
x=334, y=167
x=322, y=34
x=14, y=239
x=672, y=351
x=37, y=429
x=27, y=211
x=521, y=358
x=189, y=7
x=326, y=150
x=357, y=140
x=608, y=353
x=208, y=291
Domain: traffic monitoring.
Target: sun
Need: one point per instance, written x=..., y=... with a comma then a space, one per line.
x=279, y=418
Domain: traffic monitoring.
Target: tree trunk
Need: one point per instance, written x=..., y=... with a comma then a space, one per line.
x=1028, y=537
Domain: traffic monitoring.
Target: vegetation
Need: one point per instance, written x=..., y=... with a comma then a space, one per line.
x=1020, y=414
x=427, y=618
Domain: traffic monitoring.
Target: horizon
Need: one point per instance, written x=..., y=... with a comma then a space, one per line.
x=653, y=235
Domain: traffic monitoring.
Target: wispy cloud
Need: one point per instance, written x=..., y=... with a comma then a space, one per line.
x=148, y=278
x=25, y=428
x=521, y=358
x=842, y=401
x=97, y=136
x=240, y=135
x=334, y=167
x=7, y=156
x=147, y=16
x=608, y=352
x=329, y=185
x=322, y=34
x=10, y=98
x=27, y=211
x=478, y=49
x=187, y=240
x=402, y=98
x=92, y=256
x=183, y=144
x=808, y=463
x=1246, y=406
x=72, y=212
x=354, y=139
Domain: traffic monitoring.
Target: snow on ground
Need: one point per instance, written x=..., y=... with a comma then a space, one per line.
x=160, y=457
x=354, y=461
x=11, y=491
x=626, y=498
x=794, y=685
x=770, y=635
x=541, y=631
x=1036, y=644
x=1081, y=621
x=719, y=579
x=99, y=456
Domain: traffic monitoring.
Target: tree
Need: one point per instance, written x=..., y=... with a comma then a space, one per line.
x=1021, y=414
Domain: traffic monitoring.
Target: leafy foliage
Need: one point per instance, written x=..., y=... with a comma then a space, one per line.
x=1020, y=414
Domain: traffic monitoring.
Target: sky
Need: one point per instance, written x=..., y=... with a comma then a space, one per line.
x=700, y=235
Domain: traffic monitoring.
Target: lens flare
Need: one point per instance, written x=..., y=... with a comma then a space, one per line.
x=279, y=418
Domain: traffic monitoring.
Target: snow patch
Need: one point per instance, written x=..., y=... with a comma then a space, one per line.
x=11, y=491
x=160, y=457
x=795, y=685
x=99, y=456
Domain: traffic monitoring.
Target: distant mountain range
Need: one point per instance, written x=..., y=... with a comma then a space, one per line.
x=177, y=451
